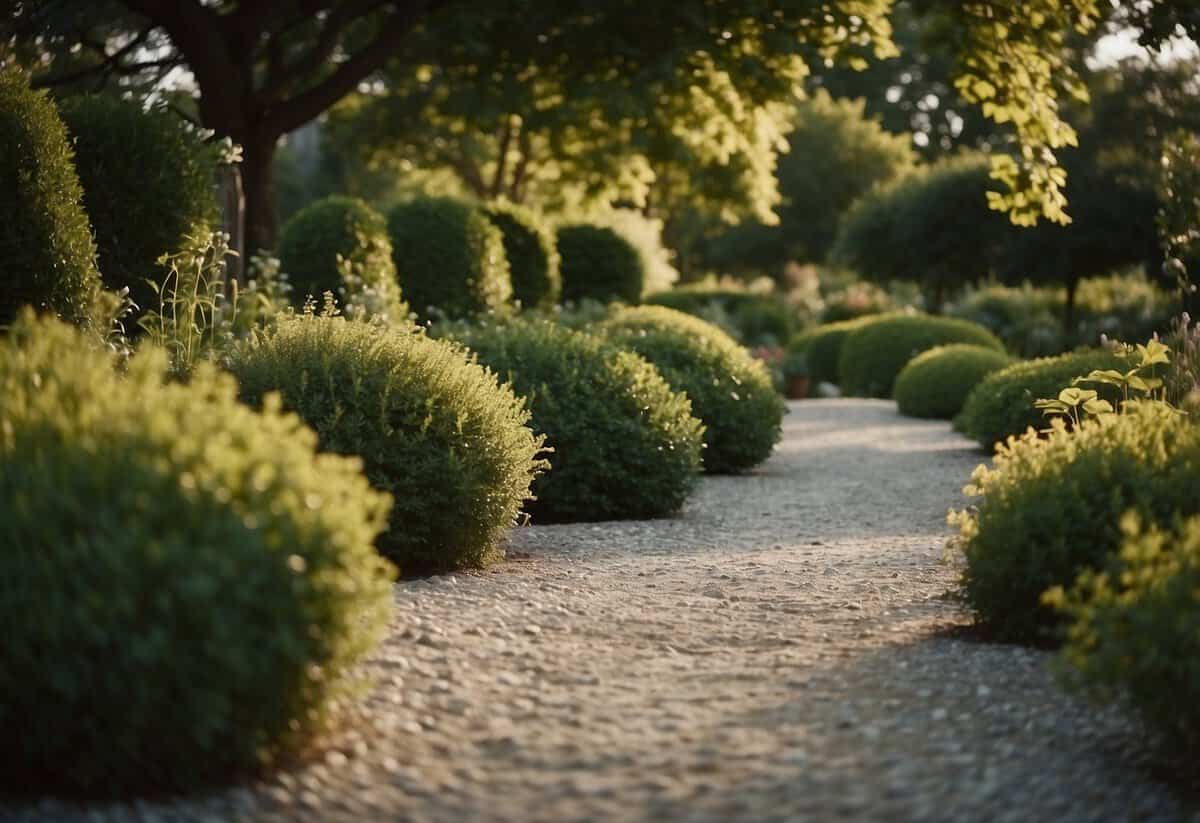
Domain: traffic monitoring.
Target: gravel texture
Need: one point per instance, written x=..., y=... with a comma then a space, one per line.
x=783, y=650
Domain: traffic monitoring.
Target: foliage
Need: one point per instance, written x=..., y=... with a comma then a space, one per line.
x=731, y=392
x=449, y=257
x=856, y=300
x=599, y=264
x=1178, y=218
x=1051, y=507
x=187, y=584
x=936, y=382
x=149, y=182
x=1001, y=405
x=823, y=347
x=1134, y=630
x=874, y=353
x=532, y=254
x=647, y=235
x=625, y=445
x=932, y=226
x=340, y=245
x=433, y=430
x=1027, y=319
x=1144, y=383
x=752, y=318
x=47, y=257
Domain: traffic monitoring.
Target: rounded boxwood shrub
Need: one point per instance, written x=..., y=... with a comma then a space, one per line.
x=449, y=258
x=822, y=347
x=531, y=252
x=752, y=318
x=187, y=584
x=731, y=392
x=936, y=383
x=1001, y=405
x=148, y=184
x=340, y=244
x=434, y=430
x=599, y=264
x=874, y=353
x=1134, y=634
x=1051, y=507
x=47, y=257
x=625, y=445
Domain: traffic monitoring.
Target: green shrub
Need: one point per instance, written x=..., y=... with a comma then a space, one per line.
x=1026, y=319
x=856, y=300
x=874, y=353
x=936, y=383
x=1051, y=507
x=148, y=184
x=731, y=392
x=1135, y=632
x=433, y=430
x=532, y=255
x=1002, y=403
x=822, y=346
x=752, y=318
x=625, y=445
x=449, y=257
x=47, y=257
x=340, y=244
x=599, y=264
x=187, y=585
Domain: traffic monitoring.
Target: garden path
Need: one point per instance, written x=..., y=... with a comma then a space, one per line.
x=784, y=650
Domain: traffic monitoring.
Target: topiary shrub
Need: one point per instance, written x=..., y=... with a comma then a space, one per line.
x=936, y=383
x=187, y=585
x=1001, y=405
x=599, y=264
x=625, y=445
x=435, y=431
x=1134, y=634
x=752, y=318
x=874, y=353
x=449, y=258
x=47, y=257
x=340, y=244
x=1051, y=507
x=532, y=255
x=731, y=392
x=148, y=184
x=823, y=347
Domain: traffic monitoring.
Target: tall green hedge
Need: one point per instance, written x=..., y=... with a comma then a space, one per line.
x=599, y=264
x=532, y=254
x=47, y=257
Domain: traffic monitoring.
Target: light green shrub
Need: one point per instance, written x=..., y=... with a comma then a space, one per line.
x=936, y=383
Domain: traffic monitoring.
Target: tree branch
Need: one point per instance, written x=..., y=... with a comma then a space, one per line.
x=502, y=159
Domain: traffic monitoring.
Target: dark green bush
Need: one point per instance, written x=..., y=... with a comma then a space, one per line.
x=625, y=445
x=47, y=257
x=449, y=258
x=314, y=239
x=435, y=431
x=936, y=383
x=186, y=584
x=148, y=184
x=532, y=255
x=874, y=353
x=1051, y=507
x=822, y=346
x=599, y=264
x=731, y=392
x=1001, y=404
x=1135, y=632
x=1026, y=319
x=753, y=318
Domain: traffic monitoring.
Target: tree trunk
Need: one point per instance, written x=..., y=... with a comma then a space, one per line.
x=258, y=154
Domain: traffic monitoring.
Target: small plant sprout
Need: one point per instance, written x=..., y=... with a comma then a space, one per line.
x=1137, y=385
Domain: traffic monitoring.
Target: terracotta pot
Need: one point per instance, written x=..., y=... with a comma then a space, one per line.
x=797, y=387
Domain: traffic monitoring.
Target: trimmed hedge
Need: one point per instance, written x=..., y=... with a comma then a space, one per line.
x=449, y=258
x=874, y=353
x=936, y=383
x=822, y=347
x=187, y=585
x=1051, y=508
x=1001, y=405
x=314, y=239
x=599, y=264
x=625, y=445
x=532, y=255
x=432, y=429
x=731, y=392
x=754, y=319
x=148, y=185
x=47, y=257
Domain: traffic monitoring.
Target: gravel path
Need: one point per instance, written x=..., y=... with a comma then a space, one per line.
x=784, y=650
